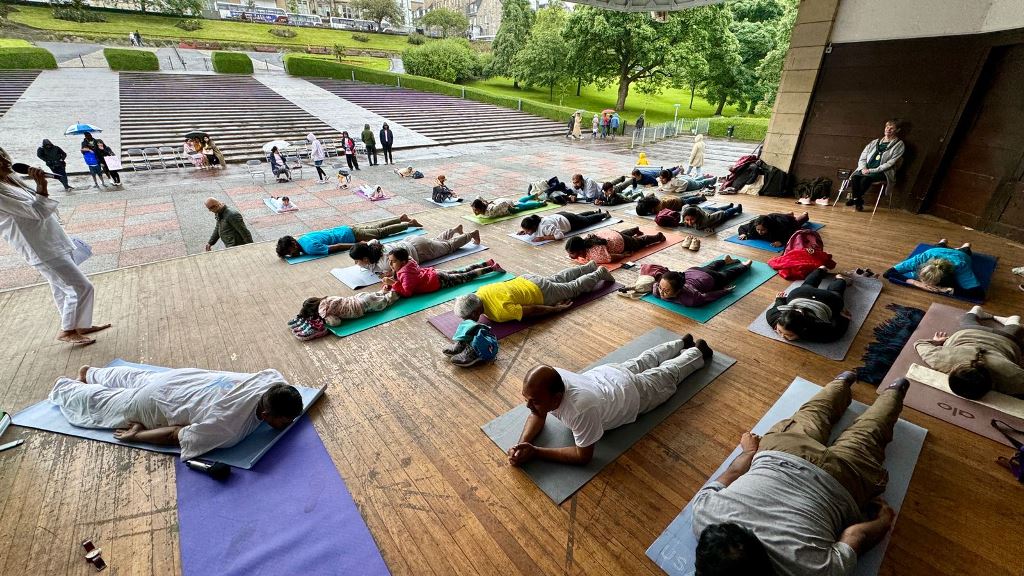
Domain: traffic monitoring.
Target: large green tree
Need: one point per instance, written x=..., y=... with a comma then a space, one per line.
x=769, y=71
x=722, y=83
x=448, y=22
x=379, y=11
x=516, y=22
x=543, y=60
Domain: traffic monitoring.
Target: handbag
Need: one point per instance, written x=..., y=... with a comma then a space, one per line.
x=113, y=162
x=81, y=252
x=1015, y=463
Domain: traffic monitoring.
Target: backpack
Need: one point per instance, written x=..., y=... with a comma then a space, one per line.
x=804, y=252
x=774, y=182
x=484, y=343
x=668, y=218
x=417, y=174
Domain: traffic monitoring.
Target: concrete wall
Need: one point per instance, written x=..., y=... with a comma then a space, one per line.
x=869, y=20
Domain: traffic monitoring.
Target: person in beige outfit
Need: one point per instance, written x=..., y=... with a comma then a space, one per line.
x=696, y=162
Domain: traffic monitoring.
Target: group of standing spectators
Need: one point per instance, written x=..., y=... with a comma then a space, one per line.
x=100, y=159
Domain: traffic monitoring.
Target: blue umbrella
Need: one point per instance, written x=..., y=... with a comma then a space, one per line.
x=81, y=129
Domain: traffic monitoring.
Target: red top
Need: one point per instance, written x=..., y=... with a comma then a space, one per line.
x=412, y=280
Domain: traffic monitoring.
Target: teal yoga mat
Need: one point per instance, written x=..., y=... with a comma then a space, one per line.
x=759, y=274
x=407, y=306
x=485, y=221
x=308, y=257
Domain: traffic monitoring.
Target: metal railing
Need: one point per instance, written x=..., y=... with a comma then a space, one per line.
x=650, y=134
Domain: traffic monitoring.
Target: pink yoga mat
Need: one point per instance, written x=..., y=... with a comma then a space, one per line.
x=949, y=407
x=447, y=323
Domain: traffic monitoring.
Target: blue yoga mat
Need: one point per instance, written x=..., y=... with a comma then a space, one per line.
x=676, y=549
x=308, y=257
x=759, y=274
x=982, y=264
x=46, y=416
x=766, y=245
x=291, y=514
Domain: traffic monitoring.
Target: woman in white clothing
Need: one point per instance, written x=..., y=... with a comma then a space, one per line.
x=28, y=221
x=317, y=155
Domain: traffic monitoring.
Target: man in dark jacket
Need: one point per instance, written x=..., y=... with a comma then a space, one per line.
x=230, y=226
x=387, y=140
x=371, y=145
x=55, y=160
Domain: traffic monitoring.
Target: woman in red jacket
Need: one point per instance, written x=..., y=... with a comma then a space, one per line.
x=410, y=279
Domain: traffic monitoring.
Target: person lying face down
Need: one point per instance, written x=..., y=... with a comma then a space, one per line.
x=650, y=204
x=198, y=410
x=811, y=313
x=697, y=285
x=409, y=279
x=941, y=270
x=341, y=238
x=775, y=228
x=602, y=398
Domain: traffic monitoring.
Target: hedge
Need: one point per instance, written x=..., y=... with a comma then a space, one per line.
x=753, y=129
x=138, y=60
x=232, y=63
x=299, y=65
x=31, y=58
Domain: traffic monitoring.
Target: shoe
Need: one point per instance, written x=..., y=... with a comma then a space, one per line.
x=705, y=351
x=495, y=267
x=805, y=201
x=1018, y=270
x=296, y=321
x=848, y=376
x=740, y=208
x=900, y=385
x=466, y=358
x=688, y=341
x=851, y=202
x=821, y=201
x=687, y=241
x=454, y=349
x=695, y=245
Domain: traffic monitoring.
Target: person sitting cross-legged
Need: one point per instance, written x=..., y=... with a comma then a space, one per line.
x=602, y=398
x=792, y=504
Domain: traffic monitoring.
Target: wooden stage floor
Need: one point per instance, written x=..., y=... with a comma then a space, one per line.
x=402, y=424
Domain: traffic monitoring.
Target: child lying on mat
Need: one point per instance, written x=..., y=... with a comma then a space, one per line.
x=504, y=207
x=941, y=270
x=978, y=358
x=709, y=218
x=696, y=286
x=775, y=227
x=650, y=204
x=198, y=410
x=283, y=204
x=602, y=398
x=606, y=246
x=410, y=280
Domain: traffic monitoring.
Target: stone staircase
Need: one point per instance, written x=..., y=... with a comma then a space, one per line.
x=446, y=119
x=13, y=84
x=238, y=112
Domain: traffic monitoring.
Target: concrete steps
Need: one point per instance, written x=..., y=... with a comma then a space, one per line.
x=13, y=84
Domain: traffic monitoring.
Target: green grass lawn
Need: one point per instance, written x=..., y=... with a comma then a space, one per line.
x=659, y=106
x=14, y=43
x=369, y=62
x=119, y=25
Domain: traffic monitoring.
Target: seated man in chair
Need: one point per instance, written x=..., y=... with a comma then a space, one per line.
x=790, y=503
x=602, y=398
x=198, y=410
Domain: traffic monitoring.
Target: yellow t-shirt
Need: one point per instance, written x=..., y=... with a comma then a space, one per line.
x=504, y=301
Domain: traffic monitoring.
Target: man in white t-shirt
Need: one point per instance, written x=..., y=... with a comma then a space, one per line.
x=557, y=225
x=602, y=398
x=198, y=410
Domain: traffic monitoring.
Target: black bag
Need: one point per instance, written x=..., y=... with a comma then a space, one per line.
x=774, y=182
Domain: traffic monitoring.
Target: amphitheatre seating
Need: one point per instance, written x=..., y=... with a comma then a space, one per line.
x=238, y=112
x=446, y=119
x=13, y=84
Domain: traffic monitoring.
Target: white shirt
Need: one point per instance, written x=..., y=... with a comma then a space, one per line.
x=589, y=191
x=316, y=150
x=599, y=399
x=29, y=223
x=555, y=225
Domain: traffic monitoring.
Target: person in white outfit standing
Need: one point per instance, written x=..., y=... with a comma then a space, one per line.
x=28, y=221
x=696, y=163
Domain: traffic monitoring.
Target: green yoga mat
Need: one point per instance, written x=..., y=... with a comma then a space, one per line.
x=759, y=274
x=406, y=306
x=484, y=221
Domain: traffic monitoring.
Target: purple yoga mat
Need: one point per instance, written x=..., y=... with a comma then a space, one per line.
x=447, y=323
x=290, y=514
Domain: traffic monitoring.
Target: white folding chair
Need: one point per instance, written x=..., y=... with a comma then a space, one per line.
x=137, y=158
x=172, y=154
x=255, y=168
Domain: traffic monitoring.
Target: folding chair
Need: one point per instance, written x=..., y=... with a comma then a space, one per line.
x=137, y=158
x=255, y=167
x=172, y=154
x=293, y=162
x=152, y=155
x=884, y=186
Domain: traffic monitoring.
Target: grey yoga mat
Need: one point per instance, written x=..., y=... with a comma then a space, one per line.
x=860, y=297
x=560, y=481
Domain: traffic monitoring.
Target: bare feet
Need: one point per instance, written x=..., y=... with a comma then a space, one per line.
x=728, y=259
x=82, y=372
x=73, y=337
x=966, y=246
x=748, y=263
x=92, y=329
x=413, y=223
x=475, y=235
x=458, y=229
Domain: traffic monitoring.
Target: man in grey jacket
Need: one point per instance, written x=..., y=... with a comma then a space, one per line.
x=230, y=227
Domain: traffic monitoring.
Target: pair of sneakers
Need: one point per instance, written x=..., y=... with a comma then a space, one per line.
x=462, y=354
x=308, y=328
x=690, y=243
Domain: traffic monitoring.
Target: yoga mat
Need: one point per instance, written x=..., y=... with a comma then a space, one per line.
x=982, y=264
x=560, y=481
x=591, y=228
x=860, y=297
x=307, y=257
x=46, y=416
x=447, y=323
x=356, y=277
x=766, y=245
x=273, y=206
x=444, y=204
x=676, y=549
x=954, y=409
x=291, y=514
x=758, y=274
x=405, y=306
x=734, y=221
x=365, y=191
x=998, y=401
x=484, y=221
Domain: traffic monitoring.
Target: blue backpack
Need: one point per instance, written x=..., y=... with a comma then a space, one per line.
x=484, y=343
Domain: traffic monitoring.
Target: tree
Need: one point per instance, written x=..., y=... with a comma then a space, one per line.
x=769, y=71
x=449, y=22
x=722, y=83
x=542, y=61
x=449, y=60
x=584, y=55
x=755, y=39
x=516, y=21
x=293, y=6
x=379, y=11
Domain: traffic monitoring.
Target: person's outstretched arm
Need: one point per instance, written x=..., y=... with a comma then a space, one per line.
x=861, y=537
x=749, y=442
x=166, y=436
x=342, y=247
x=535, y=310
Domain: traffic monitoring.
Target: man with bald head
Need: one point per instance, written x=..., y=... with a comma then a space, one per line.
x=230, y=227
x=602, y=398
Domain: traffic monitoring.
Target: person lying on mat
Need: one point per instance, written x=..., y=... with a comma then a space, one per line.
x=198, y=410
x=629, y=185
x=978, y=358
x=941, y=270
x=602, y=398
x=775, y=227
x=334, y=240
x=791, y=504
x=669, y=183
x=585, y=189
x=408, y=279
x=557, y=225
x=319, y=312
x=372, y=255
x=650, y=204
x=531, y=295
x=606, y=246
x=502, y=207
x=810, y=313
x=609, y=197
x=709, y=218
x=699, y=285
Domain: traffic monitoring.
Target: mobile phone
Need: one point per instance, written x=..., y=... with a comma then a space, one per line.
x=629, y=264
